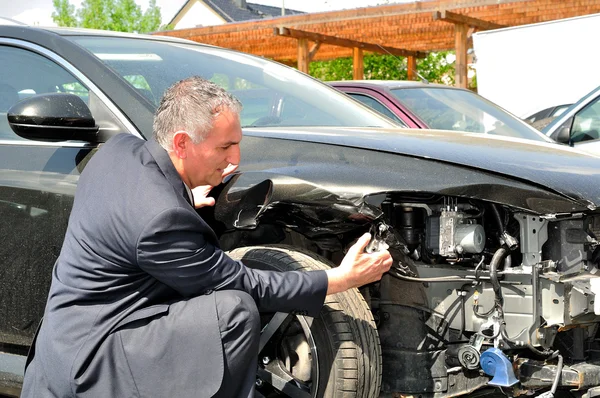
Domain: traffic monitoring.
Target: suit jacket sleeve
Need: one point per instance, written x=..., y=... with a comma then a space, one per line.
x=173, y=248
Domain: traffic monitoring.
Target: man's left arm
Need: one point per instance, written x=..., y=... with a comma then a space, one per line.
x=173, y=249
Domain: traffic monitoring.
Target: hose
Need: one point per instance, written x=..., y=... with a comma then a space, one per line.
x=440, y=279
x=497, y=259
x=498, y=218
x=539, y=352
x=559, y=367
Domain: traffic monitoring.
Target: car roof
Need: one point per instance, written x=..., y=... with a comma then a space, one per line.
x=390, y=84
x=93, y=32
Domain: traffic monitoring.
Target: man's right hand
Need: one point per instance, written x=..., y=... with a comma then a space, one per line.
x=358, y=268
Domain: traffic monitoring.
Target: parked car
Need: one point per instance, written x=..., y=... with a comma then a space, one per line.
x=494, y=238
x=424, y=105
x=579, y=125
x=551, y=112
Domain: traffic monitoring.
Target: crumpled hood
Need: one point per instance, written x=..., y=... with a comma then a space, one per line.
x=564, y=170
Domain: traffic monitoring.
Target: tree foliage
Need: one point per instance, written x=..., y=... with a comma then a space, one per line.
x=117, y=15
x=64, y=13
x=436, y=68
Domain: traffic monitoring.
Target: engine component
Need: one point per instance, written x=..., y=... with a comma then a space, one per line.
x=535, y=374
x=495, y=363
x=468, y=356
x=453, y=234
x=409, y=222
x=379, y=233
x=470, y=237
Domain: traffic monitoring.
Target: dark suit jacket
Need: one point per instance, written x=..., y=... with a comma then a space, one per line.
x=134, y=245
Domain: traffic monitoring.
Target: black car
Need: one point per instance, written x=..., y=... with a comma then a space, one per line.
x=494, y=238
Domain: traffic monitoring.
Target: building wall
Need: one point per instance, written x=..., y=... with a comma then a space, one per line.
x=199, y=15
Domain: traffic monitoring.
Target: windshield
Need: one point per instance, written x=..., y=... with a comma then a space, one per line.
x=272, y=94
x=462, y=110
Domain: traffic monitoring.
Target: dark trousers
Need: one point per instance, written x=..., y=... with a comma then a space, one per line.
x=174, y=355
x=239, y=323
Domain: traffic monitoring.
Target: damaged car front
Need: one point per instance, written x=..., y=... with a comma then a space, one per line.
x=494, y=239
x=495, y=246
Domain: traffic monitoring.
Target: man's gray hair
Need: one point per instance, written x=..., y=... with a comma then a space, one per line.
x=191, y=105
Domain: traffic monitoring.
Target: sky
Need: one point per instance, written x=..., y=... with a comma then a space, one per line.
x=39, y=12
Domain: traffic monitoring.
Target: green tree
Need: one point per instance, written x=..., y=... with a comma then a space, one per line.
x=64, y=13
x=126, y=17
x=435, y=68
x=96, y=14
x=150, y=22
x=117, y=15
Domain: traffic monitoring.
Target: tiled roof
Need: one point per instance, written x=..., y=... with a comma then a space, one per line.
x=231, y=12
x=409, y=26
x=271, y=11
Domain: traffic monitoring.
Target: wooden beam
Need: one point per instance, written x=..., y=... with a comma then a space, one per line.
x=411, y=68
x=462, y=19
x=338, y=41
x=460, y=43
x=303, y=60
x=313, y=50
x=358, y=69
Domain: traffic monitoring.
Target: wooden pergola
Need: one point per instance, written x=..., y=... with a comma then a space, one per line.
x=408, y=30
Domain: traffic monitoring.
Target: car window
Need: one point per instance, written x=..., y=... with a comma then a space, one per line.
x=586, y=123
x=378, y=106
x=462, y=110
x=272, y=94
x=559, y=110
x=538, y=115
x=24, y=74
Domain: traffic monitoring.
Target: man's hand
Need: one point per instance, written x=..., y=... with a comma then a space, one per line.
x=201, y=192
x=358, y=268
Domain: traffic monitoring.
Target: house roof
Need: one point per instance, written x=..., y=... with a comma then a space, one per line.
x=231, y=12
x=272, y=11
x=409, y=26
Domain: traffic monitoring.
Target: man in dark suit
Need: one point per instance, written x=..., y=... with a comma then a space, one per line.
x=143, y=302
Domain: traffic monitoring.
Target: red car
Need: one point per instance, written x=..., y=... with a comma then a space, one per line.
x=435, y=106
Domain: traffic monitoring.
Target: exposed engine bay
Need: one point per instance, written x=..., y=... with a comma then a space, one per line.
x=481, y=293
x=478, y=290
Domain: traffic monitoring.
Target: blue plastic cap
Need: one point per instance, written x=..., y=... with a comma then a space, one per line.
x=495, y=363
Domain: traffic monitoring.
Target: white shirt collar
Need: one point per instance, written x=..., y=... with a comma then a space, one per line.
x=190, y=194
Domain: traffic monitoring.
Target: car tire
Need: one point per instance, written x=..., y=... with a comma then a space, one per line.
x=344, y=335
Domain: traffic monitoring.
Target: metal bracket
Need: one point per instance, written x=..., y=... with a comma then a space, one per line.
x=534, y=233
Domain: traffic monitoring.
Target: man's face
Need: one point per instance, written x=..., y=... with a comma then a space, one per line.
x=204, y=162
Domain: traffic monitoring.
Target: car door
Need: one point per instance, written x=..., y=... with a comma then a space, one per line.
x=383, y=103
x=37, y=185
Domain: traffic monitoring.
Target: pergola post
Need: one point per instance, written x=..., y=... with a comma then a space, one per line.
x=460, y=44
x=358, y=69
x=303, y=57
x=462, y=23
x=411, y=67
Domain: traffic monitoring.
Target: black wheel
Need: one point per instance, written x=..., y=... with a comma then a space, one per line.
x=337, y=354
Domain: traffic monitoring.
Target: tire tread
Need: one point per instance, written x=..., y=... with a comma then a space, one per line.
x=348, y=334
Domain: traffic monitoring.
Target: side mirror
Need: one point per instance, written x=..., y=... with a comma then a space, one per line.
x=563, y=135
x=53, y=117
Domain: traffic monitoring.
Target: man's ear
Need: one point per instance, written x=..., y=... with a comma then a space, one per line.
x=181, y=141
